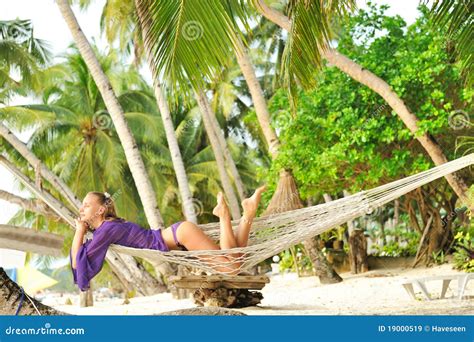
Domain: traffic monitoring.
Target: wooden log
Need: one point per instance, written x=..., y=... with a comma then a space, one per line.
x=30, y=240
x=222, y=291
x=216, y=281
x=227, y=298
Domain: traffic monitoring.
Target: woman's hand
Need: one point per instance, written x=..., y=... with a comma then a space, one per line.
x=81, y=226
x=81, y=229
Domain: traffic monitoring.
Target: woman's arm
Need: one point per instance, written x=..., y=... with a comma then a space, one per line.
x=81, y=229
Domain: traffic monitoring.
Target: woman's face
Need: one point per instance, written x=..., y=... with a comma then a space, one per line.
x=91, y=209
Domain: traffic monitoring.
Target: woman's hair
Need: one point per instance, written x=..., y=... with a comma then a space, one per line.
x=104, y=199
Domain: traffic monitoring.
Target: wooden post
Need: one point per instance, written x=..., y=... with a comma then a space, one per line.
x=357, y=247
x=358, y=252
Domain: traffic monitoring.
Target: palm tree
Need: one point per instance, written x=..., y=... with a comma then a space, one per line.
x=457, y=17
x=21, y=51
x=134, y=160
x=184, y=59
x=286, y=196
x=76, y=115
x=179, y=40
x=308, y=53
x=131, y=30
x=74, y=135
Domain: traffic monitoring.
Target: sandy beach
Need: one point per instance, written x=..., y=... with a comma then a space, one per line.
x=377, y=292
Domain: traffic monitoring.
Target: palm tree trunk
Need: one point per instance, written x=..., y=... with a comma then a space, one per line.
x=30, y=240
x=324, y=271
x=178, y=164
x=125, y=264
x=227, y=155
x=219, y=155
x=382, y=88
x=30, y=205
x=258, y=99
x=11, y=298
x=132, y=153
x=55, y=181
x=56, y=206
x=286, y=196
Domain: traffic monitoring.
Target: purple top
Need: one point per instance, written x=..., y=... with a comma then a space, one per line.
x=90, y=256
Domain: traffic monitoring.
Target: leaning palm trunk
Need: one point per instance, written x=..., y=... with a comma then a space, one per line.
x=11, y=298
x=132, y=153
x=30, y=205
x=286, y=196
x=126, y=265
x=55, y=181
x=256, y=92
x=30, y=240
x=234, y=206
x=382, y=88
x=218, y=154
x=176, y=157
x=178, y=164
x=227, y=155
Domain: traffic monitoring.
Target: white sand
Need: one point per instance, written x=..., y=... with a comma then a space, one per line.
x=377, y=292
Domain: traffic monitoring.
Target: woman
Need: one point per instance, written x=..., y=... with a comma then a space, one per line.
x=98, y=213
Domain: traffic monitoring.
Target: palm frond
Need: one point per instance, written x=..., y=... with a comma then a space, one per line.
x=188, y=40
x=458, y=17
x=309, y=36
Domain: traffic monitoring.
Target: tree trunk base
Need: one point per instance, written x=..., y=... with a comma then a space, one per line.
x=322, y=269
x=358, y=252
x=227, y=298
x=12, y=301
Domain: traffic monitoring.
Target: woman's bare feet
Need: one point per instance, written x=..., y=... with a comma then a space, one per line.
x=221, y=210
x=250, y=205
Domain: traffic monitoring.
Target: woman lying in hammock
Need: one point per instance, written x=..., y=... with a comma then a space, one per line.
x=98, y=213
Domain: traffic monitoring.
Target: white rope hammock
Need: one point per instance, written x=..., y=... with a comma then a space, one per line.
x=275, y=233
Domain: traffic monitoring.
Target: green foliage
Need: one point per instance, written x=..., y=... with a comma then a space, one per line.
x=294, y=258
x=21, y=57
x=344, y=136
x=189, y=40
x=438, y=257
x=457, y=16
x=464, y=250
x=400, y=243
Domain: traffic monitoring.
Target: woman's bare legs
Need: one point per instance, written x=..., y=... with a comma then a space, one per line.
x=193, y=238
x=227, y=238
x=250, y=206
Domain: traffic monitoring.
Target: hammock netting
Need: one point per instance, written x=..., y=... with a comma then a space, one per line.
x=274, y=233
